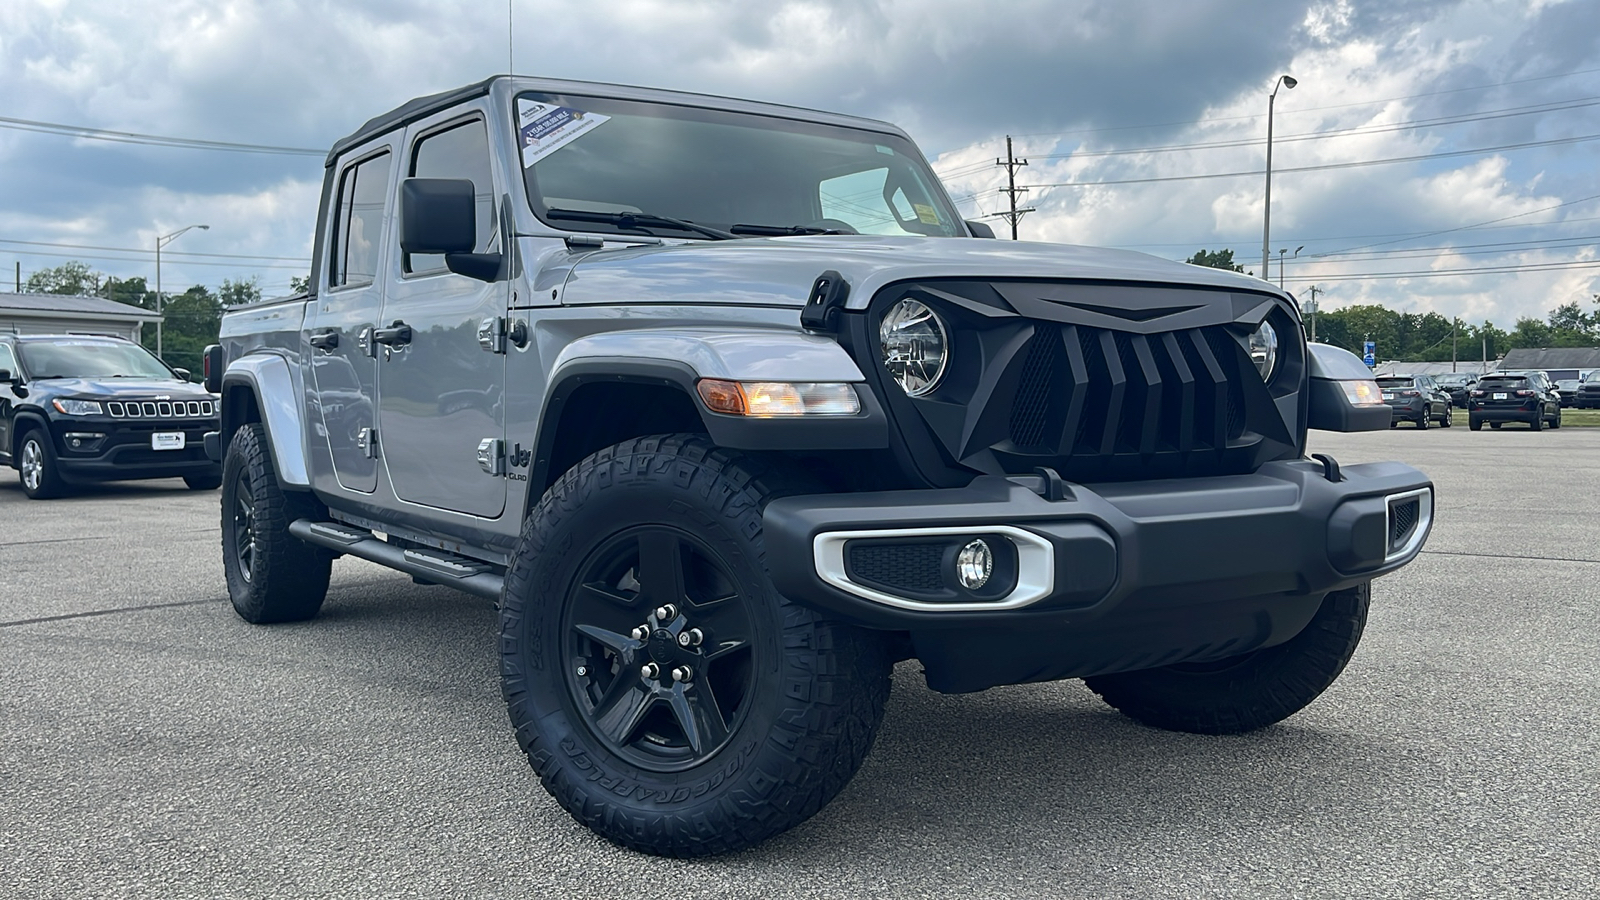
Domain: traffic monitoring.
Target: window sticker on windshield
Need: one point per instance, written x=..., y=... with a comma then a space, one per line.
x=544, y=128
x=882, y=149
x=925, y=214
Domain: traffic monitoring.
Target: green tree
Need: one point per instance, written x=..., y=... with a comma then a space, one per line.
x=238, y=293
x=71, y=277
x=192, y=320
x=132, y=291
x=299, y=284
x=1215, y=259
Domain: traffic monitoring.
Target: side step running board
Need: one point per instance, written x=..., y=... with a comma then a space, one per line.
x=429, y=564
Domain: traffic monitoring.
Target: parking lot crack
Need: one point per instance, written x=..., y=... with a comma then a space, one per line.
x=1592, y=562
x=106, y=612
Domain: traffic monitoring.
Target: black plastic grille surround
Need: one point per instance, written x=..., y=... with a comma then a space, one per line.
x=1100, y=382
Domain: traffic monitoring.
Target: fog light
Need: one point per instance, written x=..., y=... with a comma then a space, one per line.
x=974, y=564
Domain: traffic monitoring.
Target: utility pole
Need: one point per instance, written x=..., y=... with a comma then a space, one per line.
x=19, y=276
x=1455, y=329
x=1314, y=292
x=1011, y=190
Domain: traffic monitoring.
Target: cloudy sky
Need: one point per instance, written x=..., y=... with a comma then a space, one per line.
x=1435, y=155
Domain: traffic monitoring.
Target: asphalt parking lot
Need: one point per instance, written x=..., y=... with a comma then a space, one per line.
x=154, y=745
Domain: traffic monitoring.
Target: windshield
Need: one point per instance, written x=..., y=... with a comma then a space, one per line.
x=630, y=167
x=91, y=359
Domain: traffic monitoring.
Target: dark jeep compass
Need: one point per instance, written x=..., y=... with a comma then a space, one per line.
x=76, y=408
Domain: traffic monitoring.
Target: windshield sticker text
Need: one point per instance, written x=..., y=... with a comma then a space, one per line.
x=544, y=128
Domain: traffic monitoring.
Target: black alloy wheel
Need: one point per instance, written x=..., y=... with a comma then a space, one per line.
x=660, y=639
x=272, y=575
x=1422, y=420
x=244, y=526
x=667, y=695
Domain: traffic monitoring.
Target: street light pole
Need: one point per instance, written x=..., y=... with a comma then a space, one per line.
x=1289, y=82
x=162, y=241
x=1281, y=252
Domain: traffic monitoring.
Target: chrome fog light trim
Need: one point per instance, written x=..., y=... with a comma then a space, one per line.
x=1419, y=532
x=1036, y=566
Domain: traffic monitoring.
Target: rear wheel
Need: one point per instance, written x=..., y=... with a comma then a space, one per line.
x=666, y=694
x=36, y=466
x=272, y=575
x=1254, y=690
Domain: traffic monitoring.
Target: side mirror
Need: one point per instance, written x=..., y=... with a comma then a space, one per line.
x=214, y=361
x=1343, y=395
x=182, y=373
x=980, y=229
x=5, y=375
x=439, y=215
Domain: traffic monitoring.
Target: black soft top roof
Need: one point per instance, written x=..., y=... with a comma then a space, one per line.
x=427, y=106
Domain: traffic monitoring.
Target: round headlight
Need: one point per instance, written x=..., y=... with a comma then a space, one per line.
x=915, y=346
x=1264, y=349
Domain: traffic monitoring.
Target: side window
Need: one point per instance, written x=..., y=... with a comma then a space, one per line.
x=461, y=151
x=6, y=360
x=358, y=228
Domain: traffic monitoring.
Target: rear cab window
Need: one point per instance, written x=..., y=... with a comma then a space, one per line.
x=358, y=222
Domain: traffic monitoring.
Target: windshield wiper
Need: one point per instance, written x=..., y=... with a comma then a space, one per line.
x=631, y=220
x=783, y=230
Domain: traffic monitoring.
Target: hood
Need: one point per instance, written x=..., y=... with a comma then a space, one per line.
x=780, y=271
x=134, y=388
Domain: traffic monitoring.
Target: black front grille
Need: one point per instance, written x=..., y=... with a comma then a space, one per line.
x=904, y=566
x=1087, y=392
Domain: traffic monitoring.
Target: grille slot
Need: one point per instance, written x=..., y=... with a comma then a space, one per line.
x=164, y=409
x=912, y=567
x=1086, y=394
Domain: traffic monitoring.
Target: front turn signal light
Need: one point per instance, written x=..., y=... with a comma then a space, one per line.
x=771, y=399
x=1362, y=393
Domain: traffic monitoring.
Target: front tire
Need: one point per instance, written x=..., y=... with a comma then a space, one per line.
x=668, y=697
x=272, y=575
x=36, y=466
x=1244, y=693
x=1537, y=422
x=1449, y=417
x=1422, y=420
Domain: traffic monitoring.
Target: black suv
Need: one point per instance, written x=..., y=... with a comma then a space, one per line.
x=1457, y=385
x=1588, y=395
x=77, y=408
x=1514, y=397
x=1416, y=398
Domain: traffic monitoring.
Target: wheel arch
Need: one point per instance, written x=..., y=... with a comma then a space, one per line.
x=259, y=387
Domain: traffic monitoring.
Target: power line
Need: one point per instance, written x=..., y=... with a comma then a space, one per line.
x=1326, y=166
x=157, y=140
x=186, y=262
x=151, y=252
x=1439, y=273
x=1210, y=119
x=1359, y=131
x=1011, y=190
x=1461, y=228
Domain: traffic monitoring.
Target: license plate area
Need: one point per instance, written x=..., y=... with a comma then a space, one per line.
x=167, y=440
x=1499, y=396
x=1388, y=395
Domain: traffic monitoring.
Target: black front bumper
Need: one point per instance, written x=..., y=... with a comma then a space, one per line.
x=125, y=451
x=1138, y=574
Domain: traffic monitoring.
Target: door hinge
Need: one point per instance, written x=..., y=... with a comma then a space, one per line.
x=492, y=456
x=495, y=332
x=367, y=442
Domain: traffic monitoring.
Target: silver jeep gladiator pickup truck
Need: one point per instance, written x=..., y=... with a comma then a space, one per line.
x=729, y=411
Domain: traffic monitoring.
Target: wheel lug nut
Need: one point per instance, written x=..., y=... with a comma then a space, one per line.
x=682, y=673
x=690, y=638
x=640, y=633
x=650, y=670
x=666, y=612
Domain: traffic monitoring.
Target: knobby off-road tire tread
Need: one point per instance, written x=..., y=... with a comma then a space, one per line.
x=1266, y=688
x=289, y=578
x=820, y=741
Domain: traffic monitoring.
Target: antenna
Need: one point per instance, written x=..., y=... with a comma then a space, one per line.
x=511, y=53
